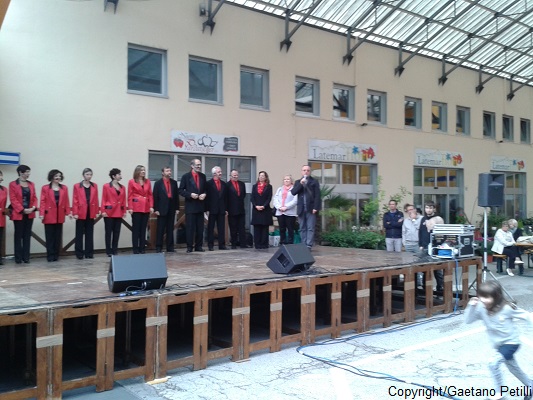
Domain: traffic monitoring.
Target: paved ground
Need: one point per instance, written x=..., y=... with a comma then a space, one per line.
x=416, y=361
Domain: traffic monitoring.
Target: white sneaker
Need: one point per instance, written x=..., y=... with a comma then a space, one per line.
x=517, y=261
x=509, y=272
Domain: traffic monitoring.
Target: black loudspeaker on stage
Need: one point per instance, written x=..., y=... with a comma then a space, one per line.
x=291, y=258
x=490, y=190
x=137, y=272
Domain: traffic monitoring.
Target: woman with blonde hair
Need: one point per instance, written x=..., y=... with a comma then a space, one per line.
x=285, y=204
x=140, y=205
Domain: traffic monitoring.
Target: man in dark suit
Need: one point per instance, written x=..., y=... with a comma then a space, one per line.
x=166, y=207
x=192, y=187
x=216, y=199
x=309, y=204
x=236, y=211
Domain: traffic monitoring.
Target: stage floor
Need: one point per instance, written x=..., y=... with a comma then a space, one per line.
x=71, y=281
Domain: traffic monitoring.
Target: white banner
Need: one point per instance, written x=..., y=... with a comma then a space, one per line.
x=333, y=151
x=504, y=163
x=438, y=158
x=205, y=143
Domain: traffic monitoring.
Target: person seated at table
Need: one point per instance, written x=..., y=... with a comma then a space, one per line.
x=504, y=243
x=517, y=232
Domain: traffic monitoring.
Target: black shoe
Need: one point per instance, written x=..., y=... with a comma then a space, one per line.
x=245, y=247
x=211, y=248
x=79, y=257
x=171, y=251
x=222, y=248
x=233, y=247
x=109, y=255
x=158, y=250
x=189, y=249
x=91, y=256
x=199, y=249
x=18, y=261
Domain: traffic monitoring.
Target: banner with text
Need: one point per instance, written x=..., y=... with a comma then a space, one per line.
x=207, y=143
x=438, y=158
x=507, y=164
x=333, y=151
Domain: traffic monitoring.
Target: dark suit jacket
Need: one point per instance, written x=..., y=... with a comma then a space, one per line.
x=235, y=204
x=162, y=202
x=263, y=217
x=187, y=187
x=312, y=195
x=216, y=201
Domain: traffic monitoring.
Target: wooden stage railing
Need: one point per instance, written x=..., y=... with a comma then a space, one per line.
x=49, y=351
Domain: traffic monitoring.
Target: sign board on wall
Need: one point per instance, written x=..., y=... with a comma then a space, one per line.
x=333, y=151
x=9, y=158
x=438, y=158
x=205, y=143
x=507, y=164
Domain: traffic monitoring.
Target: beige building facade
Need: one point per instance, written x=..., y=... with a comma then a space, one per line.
x=83, y=86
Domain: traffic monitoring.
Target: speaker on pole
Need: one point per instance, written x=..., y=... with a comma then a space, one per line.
x=137, y=272
x=490, y=190
x=291, y=258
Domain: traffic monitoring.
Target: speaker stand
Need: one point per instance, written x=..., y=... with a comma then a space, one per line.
x=485, y=270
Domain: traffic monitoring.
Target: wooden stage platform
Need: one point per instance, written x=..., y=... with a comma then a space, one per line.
x=61, y=328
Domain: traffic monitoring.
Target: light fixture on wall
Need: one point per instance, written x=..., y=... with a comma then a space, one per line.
x=114, y=2
x=203, y=10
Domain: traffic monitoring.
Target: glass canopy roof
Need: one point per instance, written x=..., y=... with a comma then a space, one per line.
x=492, y=36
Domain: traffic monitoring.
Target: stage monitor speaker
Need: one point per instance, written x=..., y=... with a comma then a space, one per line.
x=291, y=258
x=490, y=190
x=137, y=272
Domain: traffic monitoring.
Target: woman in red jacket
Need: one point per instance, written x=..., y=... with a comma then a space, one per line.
x=140, y=205
x=84, y=210
x=113, y=210
x=23, y=206
x=55, y=206
x=3, y=201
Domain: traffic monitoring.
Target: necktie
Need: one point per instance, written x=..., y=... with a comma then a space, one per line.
x=196, y=180
x=236, y=184
x=217, y=183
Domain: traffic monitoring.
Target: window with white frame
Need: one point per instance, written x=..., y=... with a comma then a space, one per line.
x=343, y=102
x=488, y=125
x=413, y=112
x=439, y=116
x=254, y=88
x=376, y=107
x=147, y=71
x=205, y=80
x=306, y=96
x=507, y=128
x=525, y=131
x=462, y=123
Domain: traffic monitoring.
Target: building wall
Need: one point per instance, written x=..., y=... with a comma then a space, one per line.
x=64, y=100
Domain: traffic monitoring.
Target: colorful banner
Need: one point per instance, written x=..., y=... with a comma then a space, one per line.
x=333, y=151
x=189, y=142
x=507, y=164
x=438, y=158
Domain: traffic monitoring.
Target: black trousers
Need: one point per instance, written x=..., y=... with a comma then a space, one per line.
x=237, y=230
x=139, y=222
x=512, y=254
x=165, y=225
x=84, y=227
x=53, y=234
x=194, y=230
x=261, y=236
x=286, y=225
x=112, y=234
x=2, y=229
x=220, y=221
x=22, y=239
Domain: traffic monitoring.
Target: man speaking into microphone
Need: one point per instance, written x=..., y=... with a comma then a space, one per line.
x=309, y=204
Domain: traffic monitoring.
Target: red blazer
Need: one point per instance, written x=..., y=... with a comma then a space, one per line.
x=79, y=201
x=15, y=198
x=113, y=203
x=140, y=198
x=3, y=201
x=52, y=213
